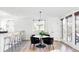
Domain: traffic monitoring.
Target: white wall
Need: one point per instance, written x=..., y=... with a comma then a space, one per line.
x=54, y=27
x=26, y=24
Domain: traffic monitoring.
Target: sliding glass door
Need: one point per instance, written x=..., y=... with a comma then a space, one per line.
x=76, y=27
x=69, y=28
x=64, y=30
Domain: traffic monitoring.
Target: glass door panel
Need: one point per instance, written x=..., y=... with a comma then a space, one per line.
x=76, y=27
x=64, y=30
x=69, y=28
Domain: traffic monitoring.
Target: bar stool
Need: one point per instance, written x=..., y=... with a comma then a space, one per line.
x=7, y=42
x=13, y=41
x=23, y=35
x=18, y=38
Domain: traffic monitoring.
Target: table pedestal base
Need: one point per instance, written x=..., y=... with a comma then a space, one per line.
x=40, y=46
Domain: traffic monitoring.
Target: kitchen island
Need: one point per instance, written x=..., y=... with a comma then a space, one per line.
x=3, y=34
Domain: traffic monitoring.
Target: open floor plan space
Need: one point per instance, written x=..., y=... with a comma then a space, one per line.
x=39, y=29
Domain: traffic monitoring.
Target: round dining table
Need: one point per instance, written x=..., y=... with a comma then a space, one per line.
x=41, y=45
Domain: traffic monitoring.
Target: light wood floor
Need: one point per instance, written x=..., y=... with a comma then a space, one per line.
x=58, y=47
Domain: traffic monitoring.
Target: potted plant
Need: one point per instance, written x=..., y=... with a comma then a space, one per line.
x=42, y=33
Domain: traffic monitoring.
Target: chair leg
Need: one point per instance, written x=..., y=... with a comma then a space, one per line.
x=33, y=46
x=49, y=47
x=30, y=46
x=53, y=47
x=46, y=47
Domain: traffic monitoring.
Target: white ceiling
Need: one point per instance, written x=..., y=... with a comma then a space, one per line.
x=34, y=11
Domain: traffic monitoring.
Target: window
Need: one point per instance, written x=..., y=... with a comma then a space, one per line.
x=39, y=26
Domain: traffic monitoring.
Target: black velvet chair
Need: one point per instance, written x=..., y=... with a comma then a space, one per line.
x=34, y=40
x=33, y=35
x=48, y=41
